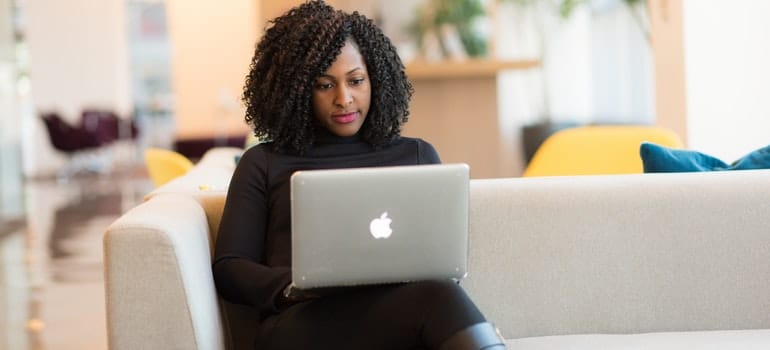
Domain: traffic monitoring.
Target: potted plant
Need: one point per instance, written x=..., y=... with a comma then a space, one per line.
x=450, y=27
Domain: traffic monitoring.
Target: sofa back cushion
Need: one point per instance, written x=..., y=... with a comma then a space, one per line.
x=621, y=253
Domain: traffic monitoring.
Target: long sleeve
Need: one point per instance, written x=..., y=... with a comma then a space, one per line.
x=240, y=273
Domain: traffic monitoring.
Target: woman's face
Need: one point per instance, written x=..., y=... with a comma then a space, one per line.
x=341, y=95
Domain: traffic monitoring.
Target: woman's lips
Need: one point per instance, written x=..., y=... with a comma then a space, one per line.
x=345, y=118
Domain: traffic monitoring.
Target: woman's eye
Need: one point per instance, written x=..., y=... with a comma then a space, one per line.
x=358, y=81
x=323, y=86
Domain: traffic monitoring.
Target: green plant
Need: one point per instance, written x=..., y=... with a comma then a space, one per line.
x=462, y=14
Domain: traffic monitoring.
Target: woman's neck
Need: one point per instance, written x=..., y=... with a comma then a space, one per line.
x=325, y=137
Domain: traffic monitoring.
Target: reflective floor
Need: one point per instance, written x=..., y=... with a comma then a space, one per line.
x=51, y=277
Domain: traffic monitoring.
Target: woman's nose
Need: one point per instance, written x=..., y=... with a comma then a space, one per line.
x=343, y=97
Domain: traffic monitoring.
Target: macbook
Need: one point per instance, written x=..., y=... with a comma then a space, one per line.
x=379, y=225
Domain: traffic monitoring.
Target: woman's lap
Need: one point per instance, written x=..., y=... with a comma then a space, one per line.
x=404, y=316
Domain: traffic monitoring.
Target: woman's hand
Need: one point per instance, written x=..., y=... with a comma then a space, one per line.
x=291, y=296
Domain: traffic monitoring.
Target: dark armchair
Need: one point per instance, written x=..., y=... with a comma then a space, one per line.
x=77, y=143
x=108, y=126
x=67, y=138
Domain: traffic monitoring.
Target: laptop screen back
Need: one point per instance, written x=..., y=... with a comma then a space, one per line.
x=379, y=225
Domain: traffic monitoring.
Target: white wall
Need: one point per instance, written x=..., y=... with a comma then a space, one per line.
x=78, y=58
x=79, y=55
x=727, y=50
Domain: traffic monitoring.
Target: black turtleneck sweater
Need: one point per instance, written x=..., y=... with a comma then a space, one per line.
x=252, y=260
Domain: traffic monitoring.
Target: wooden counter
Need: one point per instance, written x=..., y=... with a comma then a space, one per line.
x=455, y=108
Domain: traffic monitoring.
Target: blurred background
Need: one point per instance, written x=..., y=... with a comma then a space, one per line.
x=173, y=70
x=87, y=86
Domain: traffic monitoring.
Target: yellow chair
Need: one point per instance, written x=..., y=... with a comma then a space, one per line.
x=600, y=149
x=164, y=165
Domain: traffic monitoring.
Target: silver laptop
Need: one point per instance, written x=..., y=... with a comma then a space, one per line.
x=379, y=225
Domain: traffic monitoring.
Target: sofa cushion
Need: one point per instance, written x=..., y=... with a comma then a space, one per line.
x=702, y=340
x=659, y=159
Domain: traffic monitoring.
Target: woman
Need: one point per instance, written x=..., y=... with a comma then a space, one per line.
x=328, y=90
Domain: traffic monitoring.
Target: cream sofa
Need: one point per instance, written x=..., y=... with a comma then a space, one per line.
x=644, y=261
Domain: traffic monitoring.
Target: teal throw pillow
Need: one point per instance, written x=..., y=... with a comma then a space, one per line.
x=662, y=159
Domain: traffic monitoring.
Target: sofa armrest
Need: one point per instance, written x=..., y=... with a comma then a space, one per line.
x=159, y=287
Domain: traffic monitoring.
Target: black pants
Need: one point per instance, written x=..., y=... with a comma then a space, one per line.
x=419, y=315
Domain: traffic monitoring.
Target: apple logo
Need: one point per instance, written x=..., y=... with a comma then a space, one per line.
x=380, y=227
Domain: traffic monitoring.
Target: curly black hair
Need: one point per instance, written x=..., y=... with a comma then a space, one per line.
x=295, y=50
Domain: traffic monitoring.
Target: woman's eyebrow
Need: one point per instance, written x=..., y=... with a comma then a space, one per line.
x=353, y=70
x=324, y=75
